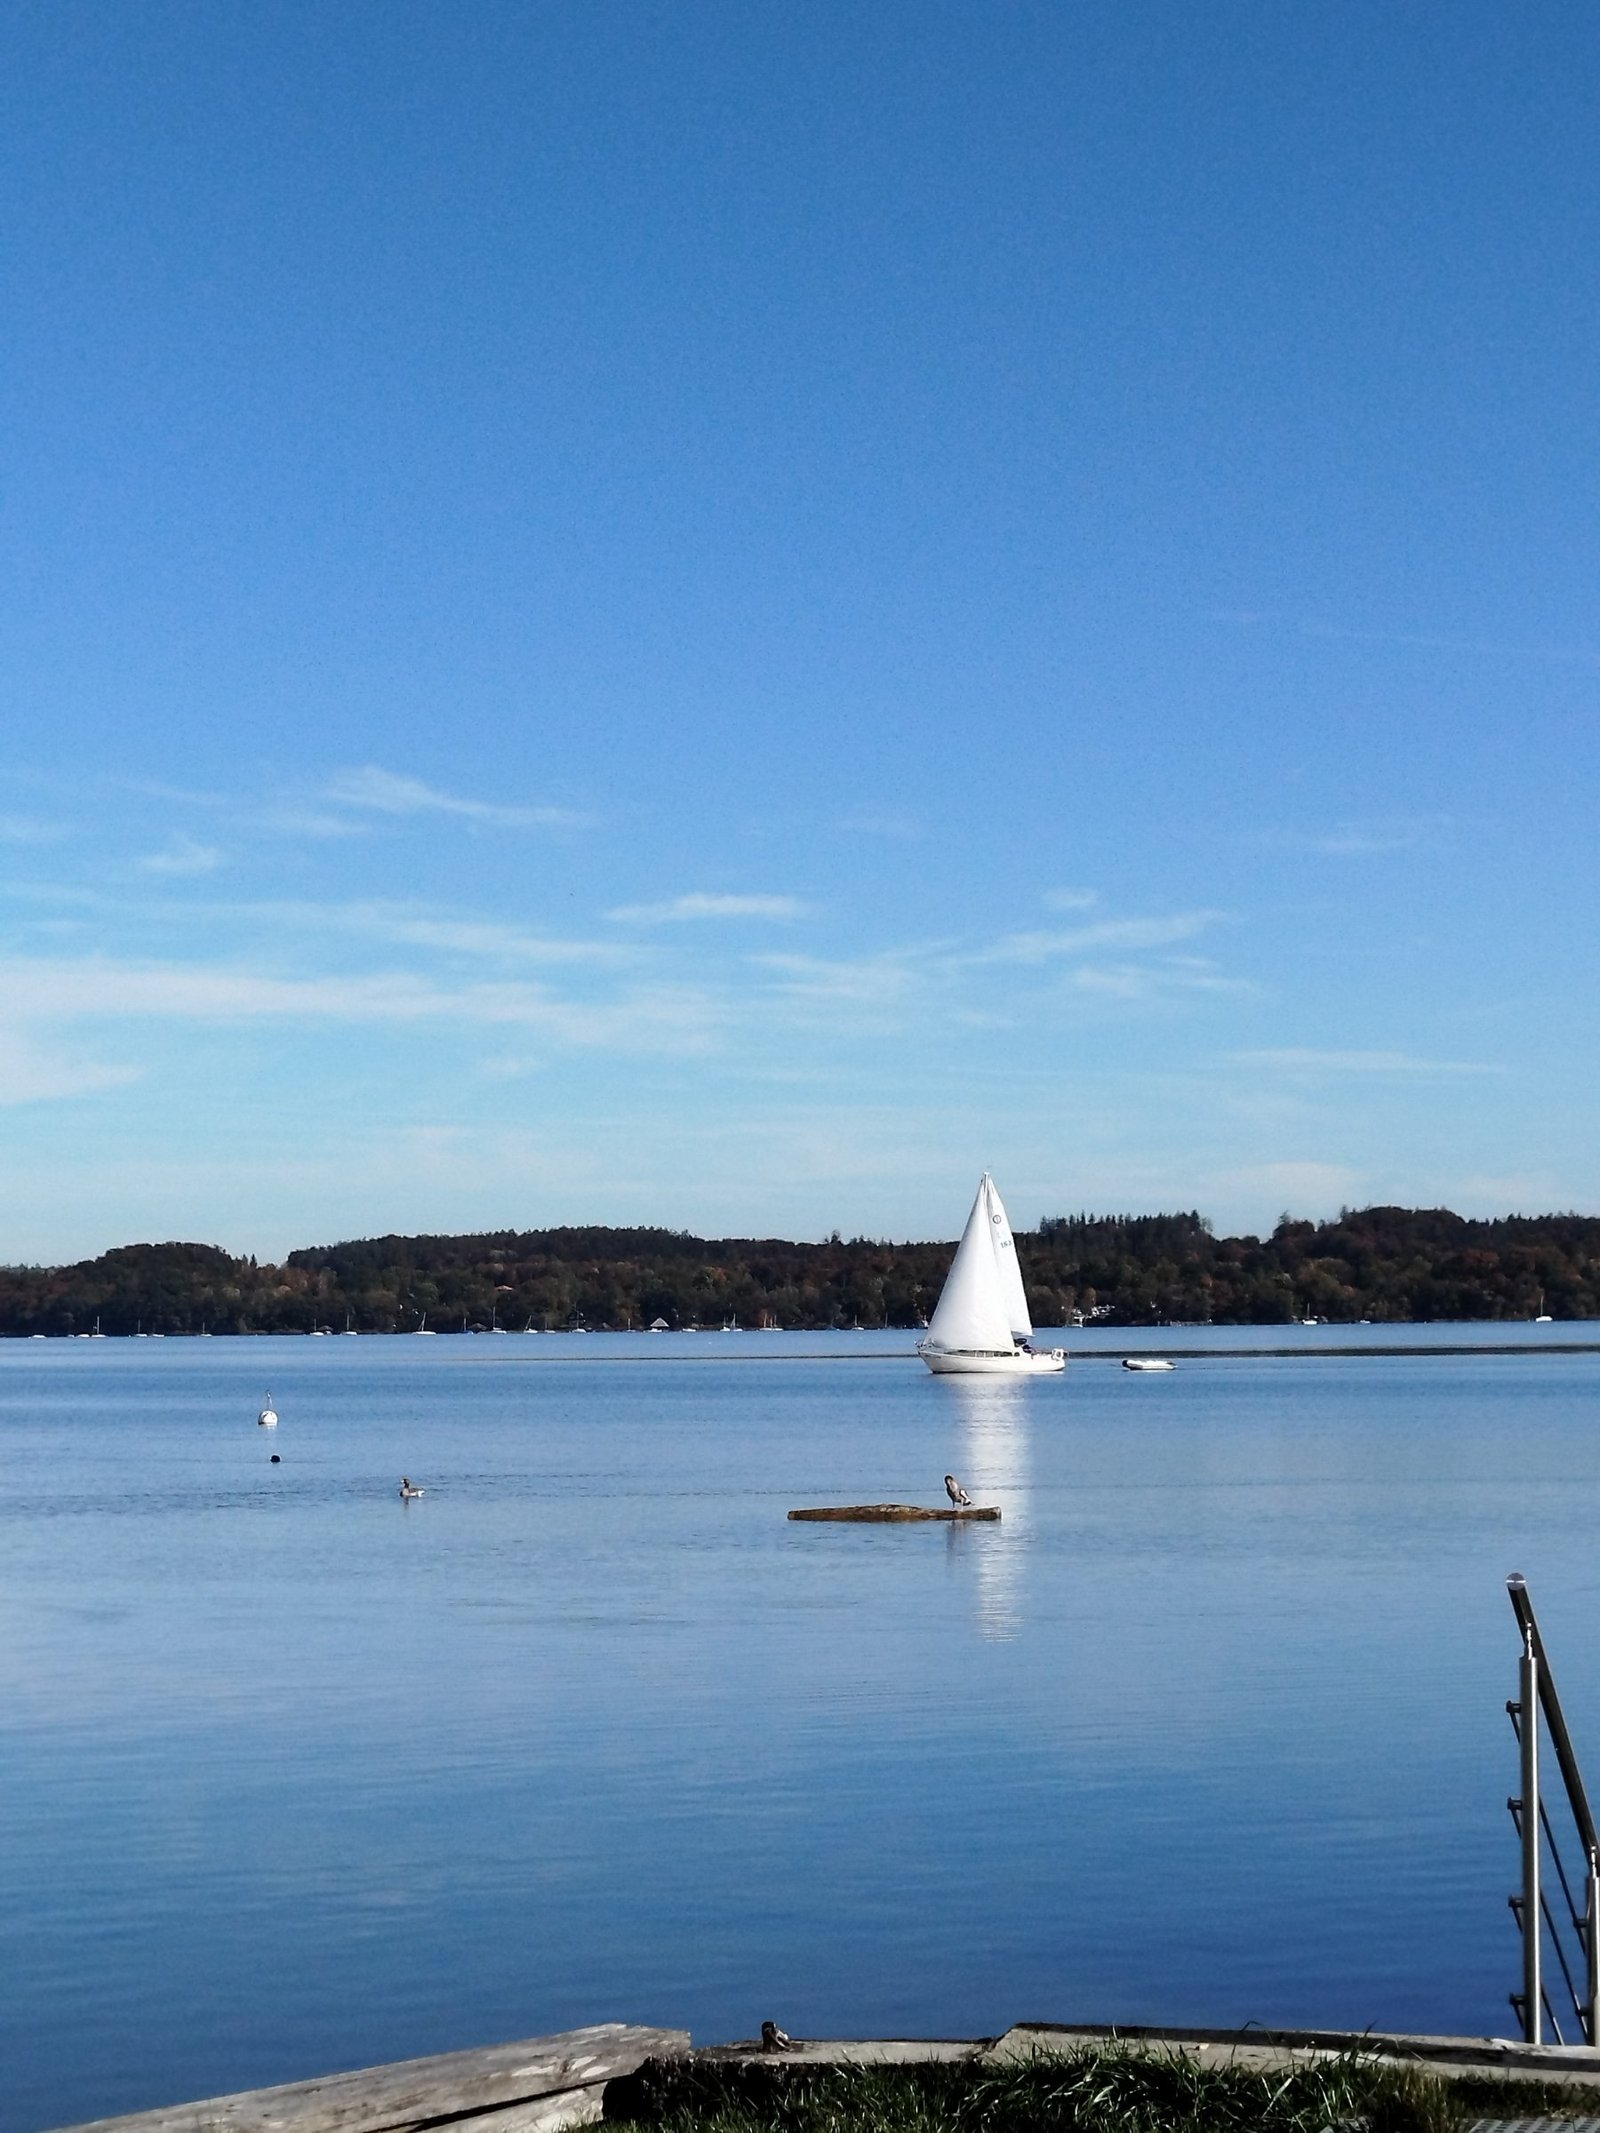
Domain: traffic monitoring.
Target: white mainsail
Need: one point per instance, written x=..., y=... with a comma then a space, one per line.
x=981, y=1324
x=974, y=1311
x=1005, y=1252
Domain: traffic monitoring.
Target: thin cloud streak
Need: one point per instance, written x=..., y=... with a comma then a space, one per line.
x=182, y=855
x=97, y=990
x=405, y=924
x=1298, y=1059
x=184, y=795
x=700, y=906
x=29, y=829
x=1125, y=933
x=881, y=979
x=311, y=822
x=450, y=932
x=1144, y=981
x=485, y=938
x=373, y=790
x=1358, y=840
x=31, y=1073
x=867, y=980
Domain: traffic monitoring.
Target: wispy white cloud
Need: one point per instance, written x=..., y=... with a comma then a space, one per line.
x=864, y=981
x=184, y=795
x=32, y=1073
x=508, y=1066
x=1124, y=933
x=452, y=933
x=699, y=906
x=182, y=855
x=1301, y=1059
x=372, y=790
x=55, y=895
x=314, y=822
x=99, y=989
x=29, y=829
x=888, y=979
x=487, y=938
x=1070, y=899
x=1144, y=981
x=1359, y=840
x=1118, y=981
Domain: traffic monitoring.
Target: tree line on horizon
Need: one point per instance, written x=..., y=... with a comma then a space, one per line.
x=1385, y=1264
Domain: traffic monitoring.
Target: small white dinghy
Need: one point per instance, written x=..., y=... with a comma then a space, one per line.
x=1145, y=1362
x=268, y=1417
x=980, y=1326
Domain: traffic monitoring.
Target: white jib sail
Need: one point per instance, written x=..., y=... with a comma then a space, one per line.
x=973, y=1313
x=1005, y=1252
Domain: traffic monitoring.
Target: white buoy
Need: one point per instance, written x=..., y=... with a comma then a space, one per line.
x=268, y=1417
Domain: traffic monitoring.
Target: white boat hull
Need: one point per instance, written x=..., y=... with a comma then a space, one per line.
x=952, y=1362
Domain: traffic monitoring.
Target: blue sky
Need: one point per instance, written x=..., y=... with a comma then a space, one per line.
x=725, y=614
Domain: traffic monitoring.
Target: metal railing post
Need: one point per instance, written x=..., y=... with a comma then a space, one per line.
x=1535, y=1912
x=1532, y=1923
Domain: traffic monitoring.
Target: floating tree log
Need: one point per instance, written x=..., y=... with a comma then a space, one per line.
x=893, y=1513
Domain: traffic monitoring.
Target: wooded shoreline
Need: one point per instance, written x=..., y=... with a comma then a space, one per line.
x=1382, y=1265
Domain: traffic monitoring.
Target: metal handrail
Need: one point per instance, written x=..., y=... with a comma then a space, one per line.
x=1537, y=1695
x=1550, y=1704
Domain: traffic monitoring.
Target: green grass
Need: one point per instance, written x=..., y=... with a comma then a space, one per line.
x=1104, y=2089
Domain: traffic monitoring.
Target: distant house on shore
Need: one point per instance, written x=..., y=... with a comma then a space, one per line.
x=659, y=1325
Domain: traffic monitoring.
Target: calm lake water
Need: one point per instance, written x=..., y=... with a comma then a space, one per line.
x=1211, y=1728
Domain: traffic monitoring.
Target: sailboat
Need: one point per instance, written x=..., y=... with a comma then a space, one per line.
x=981, y=1324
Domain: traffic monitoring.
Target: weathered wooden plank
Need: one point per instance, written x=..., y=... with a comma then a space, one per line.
x=546, y=2114
x=530, y=2087
x=1499, y=2057
x=893, y=1513
x=849, y=2051
x=1506, y=2060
